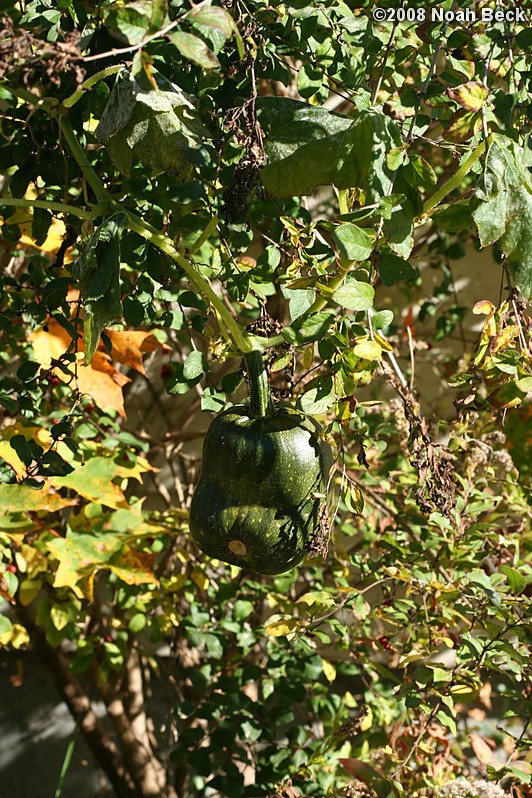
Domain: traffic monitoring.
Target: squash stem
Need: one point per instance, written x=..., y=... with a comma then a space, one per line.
x=259, y=387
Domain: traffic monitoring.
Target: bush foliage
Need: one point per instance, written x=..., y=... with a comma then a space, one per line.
x=184, y=183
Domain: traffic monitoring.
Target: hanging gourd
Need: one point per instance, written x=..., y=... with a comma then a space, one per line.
x=263, y=482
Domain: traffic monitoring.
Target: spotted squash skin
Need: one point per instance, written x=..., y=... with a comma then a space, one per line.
x=262, y=485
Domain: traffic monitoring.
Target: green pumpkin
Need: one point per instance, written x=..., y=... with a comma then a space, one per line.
x=263, y=481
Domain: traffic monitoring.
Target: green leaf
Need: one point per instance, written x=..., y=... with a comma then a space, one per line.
x=128, y=23
x=516, y=580
x=195, y=49
x=454, y=218
x=308, y=147
x=392, y=269
x=312, y=327
x=98, y=272
x=299, y=300
x=502, y=208
x=381, y=319
x=154, y=121
x=353, y=243
x=193, y=366
x=213, y=17
x=318, y=396
x=5, y=625
x=42, y=219
x=354, y=295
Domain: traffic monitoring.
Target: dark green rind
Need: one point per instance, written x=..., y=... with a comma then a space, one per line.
x=258, y=485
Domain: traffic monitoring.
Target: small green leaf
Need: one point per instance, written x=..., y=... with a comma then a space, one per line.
x=353, y=243
x=195, y=49
x=312, y=327
x=5, y=625
x=354, y=295
x=517, y=581
x=193, y=365
x=392, y=268
x=318, y=396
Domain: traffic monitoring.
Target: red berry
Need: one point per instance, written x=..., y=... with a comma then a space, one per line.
x=166, y=371
x=12, y=569
x=385, y=643
x=55, y=381
x=7, y=414
x=55, y=421
x=108, y=639
x=91, y=407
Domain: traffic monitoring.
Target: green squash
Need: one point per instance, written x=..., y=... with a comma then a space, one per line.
x=263, y=482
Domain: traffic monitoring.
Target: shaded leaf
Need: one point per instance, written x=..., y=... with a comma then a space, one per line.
x=308, y=147
x=158, y=124
x=393, y=268
x=353, y=243
x=384, y=788
x=195, y=49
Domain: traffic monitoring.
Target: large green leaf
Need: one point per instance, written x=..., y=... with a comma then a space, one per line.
x=152, y=119
x=309, y=147
x=502, y=208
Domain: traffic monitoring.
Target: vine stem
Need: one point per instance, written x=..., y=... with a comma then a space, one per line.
x=87, y=84
x=456, y=179
x=60, y=207
x=243, y=342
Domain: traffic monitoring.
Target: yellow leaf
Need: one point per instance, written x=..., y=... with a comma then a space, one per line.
x=130, y=346
x=367, y=721
x=329, y=670
x=17, y=637
x=278, y=626
x=100, y=380
x=369, y=350
x=199, y=579
x=472, y=95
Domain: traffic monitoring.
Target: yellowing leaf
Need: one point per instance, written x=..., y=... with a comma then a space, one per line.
x=199, y=579
x=369, y=350
x=463, y=125
x=484, y=307
x=20, y=498
x=278, y=626
x=329, y=670
x=130, y=346
x=134, y=567
x=93, y=481
x=80, y=555
x=472, y=95
x=100, y=379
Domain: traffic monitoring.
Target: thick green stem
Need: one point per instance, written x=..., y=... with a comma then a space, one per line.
x=60, y=207
x=86, y=85
x=259, y=387
x=242, y=341
x=456, y=179
x=88, y=172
